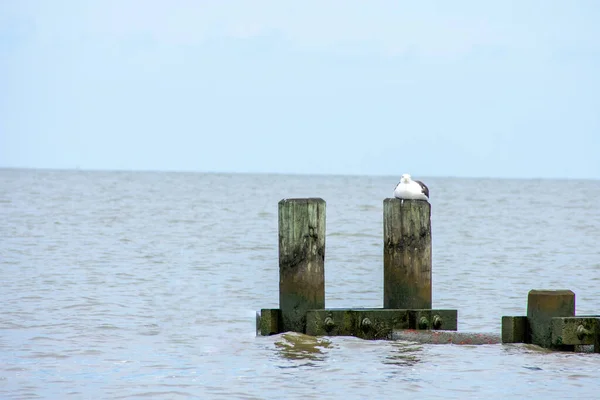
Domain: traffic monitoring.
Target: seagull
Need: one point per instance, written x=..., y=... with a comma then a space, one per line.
x=409, y=189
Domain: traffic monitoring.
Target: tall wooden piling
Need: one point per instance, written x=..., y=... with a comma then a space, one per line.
x=406, y=254
x=301, y=260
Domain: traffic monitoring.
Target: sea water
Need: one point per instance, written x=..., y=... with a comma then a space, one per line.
x=146, y=284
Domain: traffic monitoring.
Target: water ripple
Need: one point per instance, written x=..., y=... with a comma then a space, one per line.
x=137, y=285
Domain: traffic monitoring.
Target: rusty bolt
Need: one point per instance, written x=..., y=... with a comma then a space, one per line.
x=329, y=324
x=365, y=324
x=582, y=332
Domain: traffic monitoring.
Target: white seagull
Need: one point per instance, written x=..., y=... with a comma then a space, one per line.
x=409, y=189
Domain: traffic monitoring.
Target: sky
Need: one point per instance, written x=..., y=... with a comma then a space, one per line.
x=433, y=88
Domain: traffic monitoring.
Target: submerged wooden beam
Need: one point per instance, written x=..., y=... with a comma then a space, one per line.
x=301, y=260
x=406, y=254
x=446, y=337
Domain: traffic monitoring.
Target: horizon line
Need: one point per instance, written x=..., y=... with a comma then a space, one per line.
x=77, y=169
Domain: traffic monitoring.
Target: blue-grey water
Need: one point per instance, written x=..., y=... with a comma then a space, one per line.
x=145, y=284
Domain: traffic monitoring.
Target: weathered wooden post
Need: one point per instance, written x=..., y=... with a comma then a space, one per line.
x=406, y=254
x=301, y=260
x=551, y=323
x=542, y=306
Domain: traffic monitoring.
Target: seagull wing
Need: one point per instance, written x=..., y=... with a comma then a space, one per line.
x=424, y=188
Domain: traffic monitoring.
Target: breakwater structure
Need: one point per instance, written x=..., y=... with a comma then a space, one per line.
x=406, y=281
x=407, y=312
x=551, y=323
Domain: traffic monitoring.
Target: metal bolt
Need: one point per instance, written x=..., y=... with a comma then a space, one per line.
x=423, y=323
x=329, y=324
x=437, y=322
x=365, y=324
x=582, y=332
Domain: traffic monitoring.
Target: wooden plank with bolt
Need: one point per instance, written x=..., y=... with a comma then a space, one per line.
x=575, y=330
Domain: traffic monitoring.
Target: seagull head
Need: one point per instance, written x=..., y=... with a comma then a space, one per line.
x=405, y=178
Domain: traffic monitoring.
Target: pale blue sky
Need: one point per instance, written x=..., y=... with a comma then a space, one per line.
x=434, y=88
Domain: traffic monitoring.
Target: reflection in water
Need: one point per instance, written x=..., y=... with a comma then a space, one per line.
x=296, y=346
x=403, y=354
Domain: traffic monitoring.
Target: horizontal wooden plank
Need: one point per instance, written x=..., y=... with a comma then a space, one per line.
x=433, y=319
x=575, y=330
x=374, y=323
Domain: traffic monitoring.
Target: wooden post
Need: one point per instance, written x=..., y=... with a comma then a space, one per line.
x=406, y=254
x=269, y=321
x=301, y=260
x=515, y=329
x=542, y=306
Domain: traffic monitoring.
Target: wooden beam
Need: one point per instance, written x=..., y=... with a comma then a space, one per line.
x=584, y=330
x=376, y=323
